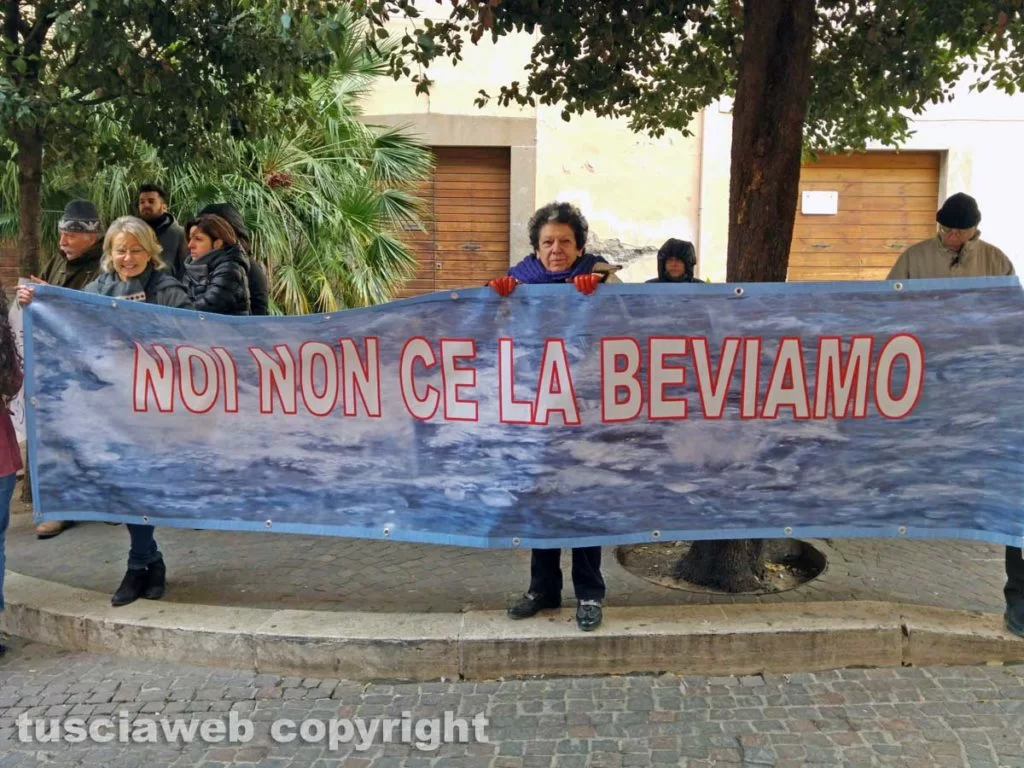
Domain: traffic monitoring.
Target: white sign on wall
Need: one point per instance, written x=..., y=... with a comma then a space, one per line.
x=819, y=203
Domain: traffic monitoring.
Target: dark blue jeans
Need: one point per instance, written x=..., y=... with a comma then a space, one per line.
x=142, y=551
x=7, y=483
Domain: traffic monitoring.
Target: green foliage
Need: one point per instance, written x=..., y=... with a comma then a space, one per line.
x=172, y=72
x=659, y=62
x=321, y=191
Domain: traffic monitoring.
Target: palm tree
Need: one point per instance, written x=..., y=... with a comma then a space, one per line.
x=324, y=198
x=323, y=211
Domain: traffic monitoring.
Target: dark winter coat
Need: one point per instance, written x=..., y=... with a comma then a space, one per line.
x=152, y=287
x=259, y=292
x=676, y=249
x=75, y=273
x=217, y=282
x=173, y=244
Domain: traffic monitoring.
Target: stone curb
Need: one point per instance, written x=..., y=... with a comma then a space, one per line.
x=482, y=645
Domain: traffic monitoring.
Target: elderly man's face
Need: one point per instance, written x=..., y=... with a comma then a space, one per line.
x=954, y=239
x=74, y=244
x=557, y=249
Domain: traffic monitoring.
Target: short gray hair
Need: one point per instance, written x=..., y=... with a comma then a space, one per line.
x=130, y=225
x=559, y=213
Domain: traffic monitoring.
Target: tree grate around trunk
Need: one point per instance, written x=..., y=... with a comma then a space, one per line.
x=788, y=564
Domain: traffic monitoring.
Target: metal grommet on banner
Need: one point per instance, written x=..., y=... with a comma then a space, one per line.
x=454, y=296
x=902, y=530
x=268, y=524
x=738, y=291
x=202, y=317
x=34, y=401
x=145, y=519
x=515, y=541
x=788, y=531
x=897, y=286
x=327, y=317
x=387, y=530
x=655, y=534
x=113, y=304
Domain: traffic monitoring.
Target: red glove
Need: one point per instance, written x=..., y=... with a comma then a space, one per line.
x=503, y=286
x=586, y=284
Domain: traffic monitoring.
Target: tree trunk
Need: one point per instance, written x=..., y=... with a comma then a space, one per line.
x=30, y=207
x=732, y=566
x=767, y=139
x=767, y=136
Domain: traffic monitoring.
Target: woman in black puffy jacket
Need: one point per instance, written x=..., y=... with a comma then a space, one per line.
x=215, y=272
x=257, y=276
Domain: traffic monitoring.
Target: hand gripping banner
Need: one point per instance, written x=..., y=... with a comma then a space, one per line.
x=639, y=413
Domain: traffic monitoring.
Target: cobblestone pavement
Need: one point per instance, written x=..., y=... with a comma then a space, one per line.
x=971, y=716
x=266, y=570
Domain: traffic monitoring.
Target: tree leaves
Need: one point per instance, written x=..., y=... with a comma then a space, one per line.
x=228, y=101
x=659, y=62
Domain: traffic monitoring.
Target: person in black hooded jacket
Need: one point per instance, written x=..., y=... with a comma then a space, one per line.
x=676, y=262
x=215, y=272
x=258, y=289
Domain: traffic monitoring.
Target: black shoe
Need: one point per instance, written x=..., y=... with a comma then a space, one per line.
x=1015, y=618
x=588, y=615
x=156, y=580
x=132, y=586
x=530, y=605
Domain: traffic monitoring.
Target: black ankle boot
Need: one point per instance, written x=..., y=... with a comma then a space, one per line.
x=132, y=585
x=1015, y=618
x=156, y=580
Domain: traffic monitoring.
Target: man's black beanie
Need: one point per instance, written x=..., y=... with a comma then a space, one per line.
x=959, y=212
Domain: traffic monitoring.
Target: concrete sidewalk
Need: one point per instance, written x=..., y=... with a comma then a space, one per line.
x=390, y=610
x=274, y=571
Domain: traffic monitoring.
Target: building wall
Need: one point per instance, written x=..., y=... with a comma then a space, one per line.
x=637, y=191
x=979, y=136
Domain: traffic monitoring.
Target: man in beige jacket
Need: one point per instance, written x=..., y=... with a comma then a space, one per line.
x=957, y=251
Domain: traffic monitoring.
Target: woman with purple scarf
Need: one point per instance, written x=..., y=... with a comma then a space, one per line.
x=558, y=234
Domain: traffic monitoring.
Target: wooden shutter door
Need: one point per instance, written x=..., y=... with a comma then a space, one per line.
x=887, y=202
x=467, y=239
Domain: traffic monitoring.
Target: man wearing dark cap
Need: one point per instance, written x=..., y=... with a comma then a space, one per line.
x=152, y=204
x=81, y=247
x=956, y=251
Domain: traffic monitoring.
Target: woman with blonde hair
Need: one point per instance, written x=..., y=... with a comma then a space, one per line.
x=132, y=270
x=132, y=267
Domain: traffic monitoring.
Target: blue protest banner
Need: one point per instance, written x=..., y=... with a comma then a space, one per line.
x=545, y=419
